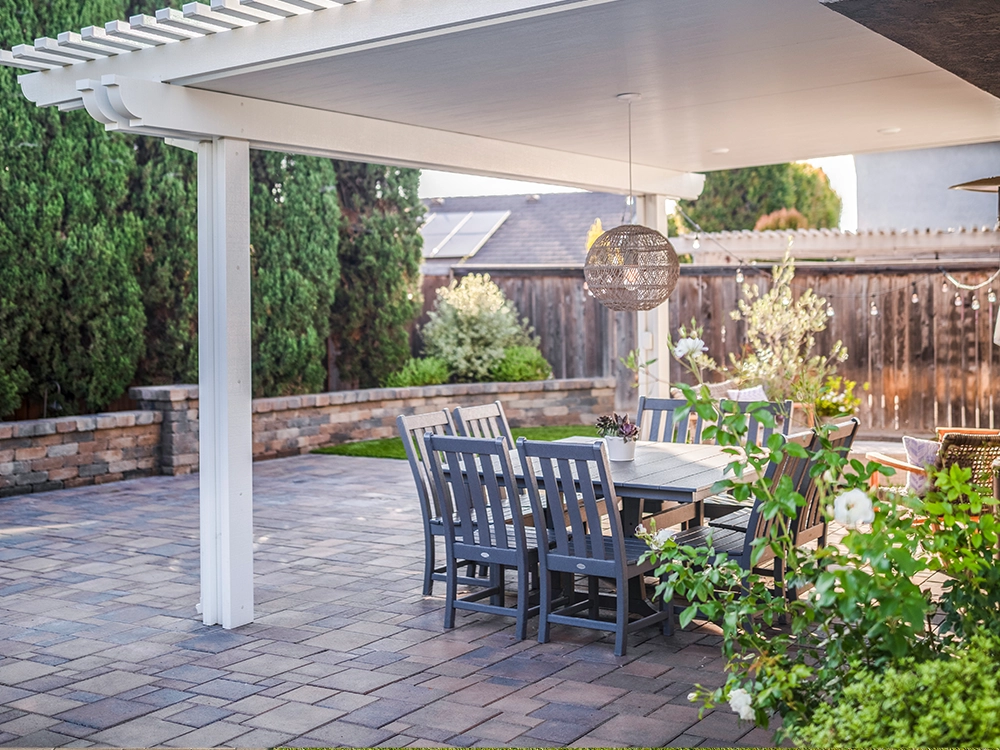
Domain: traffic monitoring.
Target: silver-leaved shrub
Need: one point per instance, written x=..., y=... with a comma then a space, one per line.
x=471, y=325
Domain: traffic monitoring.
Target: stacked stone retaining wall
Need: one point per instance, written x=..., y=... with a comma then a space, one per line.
x=162, y=437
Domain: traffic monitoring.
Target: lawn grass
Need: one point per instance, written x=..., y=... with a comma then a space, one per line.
x=393, y=447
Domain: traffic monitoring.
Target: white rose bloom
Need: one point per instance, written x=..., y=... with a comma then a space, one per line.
x=853, y=507
x=660, y=537
x=686, y=347
x=692, y=697
x=741, y=703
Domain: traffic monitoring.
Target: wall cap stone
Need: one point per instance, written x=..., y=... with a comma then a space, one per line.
x=178, y=392
x=336, y=398
x=82, y=423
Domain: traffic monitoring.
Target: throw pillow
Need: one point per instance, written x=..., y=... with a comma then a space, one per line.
x=748, y=394
x=921, y=453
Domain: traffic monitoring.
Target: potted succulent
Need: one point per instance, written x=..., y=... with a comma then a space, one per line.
x=619, y=435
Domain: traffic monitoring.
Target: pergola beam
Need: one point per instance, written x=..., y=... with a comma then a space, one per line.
x=192, y=114
x=341, y=29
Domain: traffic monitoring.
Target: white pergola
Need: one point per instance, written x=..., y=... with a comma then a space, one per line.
x=510, y=88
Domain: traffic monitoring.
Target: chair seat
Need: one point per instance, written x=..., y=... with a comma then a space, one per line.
x=634, y=548
x=736, y=521
x=722, y=504
x=722, y=540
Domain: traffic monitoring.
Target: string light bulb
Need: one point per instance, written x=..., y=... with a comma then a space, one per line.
x=829, y=311
x=991, y=296
x=944, y=287
x=975, y=303
x=739, y=275
x=697, y=242
x=874, y=307
x=958, y=299
x=915, y=298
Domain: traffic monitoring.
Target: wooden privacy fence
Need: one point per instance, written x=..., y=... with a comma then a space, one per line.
x=927, y=363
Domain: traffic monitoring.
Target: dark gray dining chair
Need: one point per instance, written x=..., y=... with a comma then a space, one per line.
x=481, y=525
x=412, y=429
x=486, y=420
x=668, y=420
x=574, y=541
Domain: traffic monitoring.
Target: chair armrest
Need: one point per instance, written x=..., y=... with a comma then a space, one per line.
x=895, y=463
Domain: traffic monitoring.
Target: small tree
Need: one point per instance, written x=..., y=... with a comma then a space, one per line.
x=780, y=338
x=735, y=199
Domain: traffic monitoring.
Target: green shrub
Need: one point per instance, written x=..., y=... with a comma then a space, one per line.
x=950, y=702
x=521, y=363
x=422, y=371
x=471, y=326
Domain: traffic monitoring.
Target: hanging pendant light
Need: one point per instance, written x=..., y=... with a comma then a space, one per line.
x=631, y=267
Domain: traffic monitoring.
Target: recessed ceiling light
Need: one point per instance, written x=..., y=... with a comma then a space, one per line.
x=722, y=150
x=889, y=131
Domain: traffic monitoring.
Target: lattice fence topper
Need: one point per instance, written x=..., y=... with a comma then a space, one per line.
x=631, y=268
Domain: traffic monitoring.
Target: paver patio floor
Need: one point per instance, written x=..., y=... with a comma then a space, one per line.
x=100, y=643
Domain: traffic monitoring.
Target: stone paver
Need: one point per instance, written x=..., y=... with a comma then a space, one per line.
x=100, y=642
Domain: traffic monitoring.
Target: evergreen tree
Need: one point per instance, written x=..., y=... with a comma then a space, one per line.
x=294, y=220
x=380, y=255
x=164, y=193
x=735, y=199
x=71, y=316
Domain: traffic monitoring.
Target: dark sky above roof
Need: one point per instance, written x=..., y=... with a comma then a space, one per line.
x=548, y=230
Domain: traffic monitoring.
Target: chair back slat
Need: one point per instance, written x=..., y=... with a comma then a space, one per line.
x=412, y=429
x=811, y=522
x=757, y=432
x=574, y=475
x=668, y=420
x=485, y=421
x=475, y=479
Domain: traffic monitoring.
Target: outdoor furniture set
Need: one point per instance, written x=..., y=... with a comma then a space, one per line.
x=560, y=512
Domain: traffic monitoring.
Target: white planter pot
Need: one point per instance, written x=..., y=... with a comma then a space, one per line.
x=619, y=450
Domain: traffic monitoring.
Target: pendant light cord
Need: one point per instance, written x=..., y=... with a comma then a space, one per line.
x=631, y=195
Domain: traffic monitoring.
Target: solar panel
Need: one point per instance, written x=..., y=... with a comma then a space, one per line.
x=459, y=234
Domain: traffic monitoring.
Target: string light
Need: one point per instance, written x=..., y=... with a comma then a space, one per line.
x=975, y=303
x=697, y=242
x=915, y=298
x=739, y=275
x=830, y=312
x=991, y=296
x=958, y=299
x=874, y=307
x=944, y=287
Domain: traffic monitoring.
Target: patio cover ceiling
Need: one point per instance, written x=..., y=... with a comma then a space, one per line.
x=520, y=88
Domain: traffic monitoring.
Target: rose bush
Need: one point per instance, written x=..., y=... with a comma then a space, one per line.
x=866, y=608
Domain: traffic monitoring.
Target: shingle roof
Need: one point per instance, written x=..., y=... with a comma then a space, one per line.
x=547, y=229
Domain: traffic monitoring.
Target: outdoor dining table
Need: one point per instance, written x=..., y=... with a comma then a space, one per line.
x=661, y=472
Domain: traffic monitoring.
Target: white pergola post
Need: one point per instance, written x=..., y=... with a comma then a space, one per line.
x=654, y=325
x=224, y=385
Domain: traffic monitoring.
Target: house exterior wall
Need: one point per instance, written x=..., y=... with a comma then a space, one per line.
x=909, y=189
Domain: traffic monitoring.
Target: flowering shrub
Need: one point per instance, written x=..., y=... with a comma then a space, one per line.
x=780, y=332
x=471, y=326
x=837, y=399
x=864, y=609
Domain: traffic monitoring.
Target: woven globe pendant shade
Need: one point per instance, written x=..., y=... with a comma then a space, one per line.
x=631, y=268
